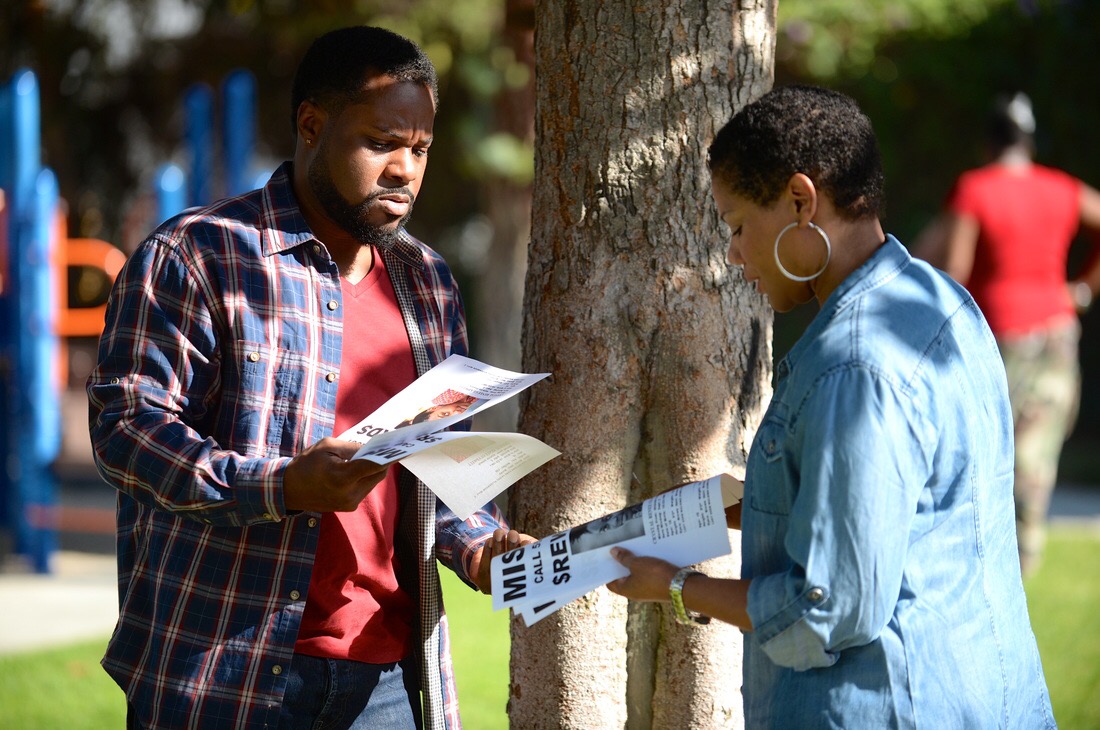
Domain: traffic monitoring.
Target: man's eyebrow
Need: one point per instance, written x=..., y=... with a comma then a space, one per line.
x=394, y=134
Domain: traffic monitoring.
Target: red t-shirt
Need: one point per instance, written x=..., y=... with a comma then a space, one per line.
x=1027, y=219
x=355, y=608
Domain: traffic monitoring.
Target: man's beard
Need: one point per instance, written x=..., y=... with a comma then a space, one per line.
x=350, y=217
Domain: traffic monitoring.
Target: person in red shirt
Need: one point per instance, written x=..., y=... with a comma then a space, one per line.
x=1005, y=235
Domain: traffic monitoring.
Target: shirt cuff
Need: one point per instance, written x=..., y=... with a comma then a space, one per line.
x=786, y=636
x=259, y=489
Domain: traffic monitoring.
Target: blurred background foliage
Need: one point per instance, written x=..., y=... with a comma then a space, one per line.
x=113, y=72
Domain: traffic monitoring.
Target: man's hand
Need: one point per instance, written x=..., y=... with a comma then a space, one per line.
x=322, y=479
x=501, y=542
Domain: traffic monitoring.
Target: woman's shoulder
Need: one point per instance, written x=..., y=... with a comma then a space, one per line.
x=890, y=328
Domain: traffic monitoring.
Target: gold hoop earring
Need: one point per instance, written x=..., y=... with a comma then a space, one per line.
x=828, y=253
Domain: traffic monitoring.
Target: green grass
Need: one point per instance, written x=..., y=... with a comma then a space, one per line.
x=479, y=646
x=1062, y=599
x=66, y=689
x=60, y=688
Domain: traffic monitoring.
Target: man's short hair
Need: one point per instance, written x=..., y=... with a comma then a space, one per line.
x=333, y=70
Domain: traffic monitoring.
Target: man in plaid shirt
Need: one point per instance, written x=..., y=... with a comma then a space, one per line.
x=264, y=579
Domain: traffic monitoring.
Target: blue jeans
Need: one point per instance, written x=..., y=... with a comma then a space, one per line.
x=336, y=693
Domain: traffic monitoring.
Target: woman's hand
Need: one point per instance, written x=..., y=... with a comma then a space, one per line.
x=648, y=580
x=725, y=599
x=733, y=516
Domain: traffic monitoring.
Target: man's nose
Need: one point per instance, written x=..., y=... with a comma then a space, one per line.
x=402, y=166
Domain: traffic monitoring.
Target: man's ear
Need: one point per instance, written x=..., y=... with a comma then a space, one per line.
x=311, y=121
x=803, y=197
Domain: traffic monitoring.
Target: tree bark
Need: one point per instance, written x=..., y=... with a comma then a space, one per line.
x=659, y=353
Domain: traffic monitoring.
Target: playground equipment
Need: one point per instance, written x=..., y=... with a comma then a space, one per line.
x=177, y=188
x=35, y=256
x=31, y=430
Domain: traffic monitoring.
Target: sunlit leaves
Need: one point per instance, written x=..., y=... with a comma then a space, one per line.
x=824, y=37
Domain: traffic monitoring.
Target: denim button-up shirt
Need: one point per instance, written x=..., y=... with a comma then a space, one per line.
x=878, y=525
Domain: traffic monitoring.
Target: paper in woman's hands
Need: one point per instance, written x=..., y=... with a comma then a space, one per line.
x=464, y=469
x=683, y=526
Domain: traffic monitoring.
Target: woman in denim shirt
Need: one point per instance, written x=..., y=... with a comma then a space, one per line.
x=880, y=582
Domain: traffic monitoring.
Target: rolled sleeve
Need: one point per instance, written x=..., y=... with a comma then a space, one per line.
x=786, y=635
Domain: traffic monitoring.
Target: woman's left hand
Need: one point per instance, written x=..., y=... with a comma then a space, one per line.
x=648, y=580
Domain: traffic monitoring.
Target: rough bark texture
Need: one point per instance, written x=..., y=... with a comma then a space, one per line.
x=660, y=354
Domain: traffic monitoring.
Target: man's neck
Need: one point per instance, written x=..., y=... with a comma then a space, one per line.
x=354, y=258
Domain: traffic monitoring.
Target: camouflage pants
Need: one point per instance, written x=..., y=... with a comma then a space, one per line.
x=1044, y=386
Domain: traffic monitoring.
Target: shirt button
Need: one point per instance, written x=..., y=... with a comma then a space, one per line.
x=333, y=304
x=815, y=594
x=317, y=249
x=295, y=595
x=312, y=522
x=115, y=381
x=277, y=669
x=267, y=516
x=253, y=357
x=331, y=377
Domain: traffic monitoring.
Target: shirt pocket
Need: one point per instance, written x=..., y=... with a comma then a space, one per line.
x=267, y=383
x=767, y=483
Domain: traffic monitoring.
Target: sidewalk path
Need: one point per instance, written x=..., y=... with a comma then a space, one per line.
x=78, y=601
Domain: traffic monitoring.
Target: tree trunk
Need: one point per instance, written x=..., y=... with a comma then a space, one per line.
x=660, y=354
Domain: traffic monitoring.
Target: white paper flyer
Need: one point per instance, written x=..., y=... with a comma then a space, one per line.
x=465, y=469
x=683, y=526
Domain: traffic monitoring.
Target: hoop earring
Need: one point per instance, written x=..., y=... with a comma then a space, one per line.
x=828, y=253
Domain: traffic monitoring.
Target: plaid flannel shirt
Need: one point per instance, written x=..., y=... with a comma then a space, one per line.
x=218, y=363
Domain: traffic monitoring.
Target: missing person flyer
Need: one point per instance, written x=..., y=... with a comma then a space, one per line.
x=463, y=468
x=684, y=526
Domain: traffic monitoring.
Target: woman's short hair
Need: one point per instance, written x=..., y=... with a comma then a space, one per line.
x=807, y=129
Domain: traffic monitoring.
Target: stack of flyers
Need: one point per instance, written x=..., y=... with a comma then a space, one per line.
x=684, y=526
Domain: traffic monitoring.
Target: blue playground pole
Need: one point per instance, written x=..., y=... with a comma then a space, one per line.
x=199, y=112
x=238, y=133
x=171, y=191
x=7, y=176
x=33, y=415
